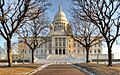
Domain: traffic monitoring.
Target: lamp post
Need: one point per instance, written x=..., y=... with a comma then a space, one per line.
x=23, y=56
x=98, y=56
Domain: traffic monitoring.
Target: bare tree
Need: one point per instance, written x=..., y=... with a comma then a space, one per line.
x=86, y=34
x=32, y=33
x=105, y=15
x=13, y=13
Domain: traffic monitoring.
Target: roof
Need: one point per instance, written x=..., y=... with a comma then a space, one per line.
x=60, y=15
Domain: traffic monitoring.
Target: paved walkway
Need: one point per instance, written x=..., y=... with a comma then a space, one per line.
x=60, y=69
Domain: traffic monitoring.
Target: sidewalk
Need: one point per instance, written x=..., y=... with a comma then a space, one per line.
x=60, y=69
x=39, y=68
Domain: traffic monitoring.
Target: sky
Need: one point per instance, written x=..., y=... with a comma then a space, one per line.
x=65, y=7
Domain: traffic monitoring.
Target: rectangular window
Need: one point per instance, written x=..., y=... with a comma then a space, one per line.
x=74, y=51
x=56, y=41
x=36, y=51
x=41, y=51
x=78, y=45
x=21, y=52
x=29, y=51
x=99, y=44
x=60, y=42
x=41, y=46
x=64, y=42
x=95, y=45
x=78, y=51
x=45, y=45
x=74, y=45
x=83, y=51
x=50, y=45
x=25, y=52
x=45, y=51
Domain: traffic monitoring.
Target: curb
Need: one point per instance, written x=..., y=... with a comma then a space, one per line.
x=39, y=68
x=90, y=73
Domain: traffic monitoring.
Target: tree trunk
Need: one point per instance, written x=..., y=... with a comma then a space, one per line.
x=32, y=56
x=9, y=53
x=87, y=55
x=109, y=54
x=98, y=57
x=110, y=57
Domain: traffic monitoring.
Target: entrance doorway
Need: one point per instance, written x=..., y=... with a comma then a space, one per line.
x=56, y=51
x=63, y=51
x=60, y=51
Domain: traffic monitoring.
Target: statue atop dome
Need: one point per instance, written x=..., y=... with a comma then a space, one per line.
x=60, y=8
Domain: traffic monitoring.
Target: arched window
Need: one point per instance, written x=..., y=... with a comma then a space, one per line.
x=98, y=50
x=60, y=51
x=56, y=51
x=36, y=51
x=25, y=51
x=45, y=51
x=74, y=45
x=51, y=28
x=63, y=51
x=69, y=51
x=83, y=51
x=50, y=51
x=90, y=51
x=74, y=51
x=95, y=51
x=78, y=51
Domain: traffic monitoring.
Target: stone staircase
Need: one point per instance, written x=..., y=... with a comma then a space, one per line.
x=59, y=57
x=52, y=58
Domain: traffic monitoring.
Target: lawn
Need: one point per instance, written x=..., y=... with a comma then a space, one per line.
x=101, y=69
x=19, y=69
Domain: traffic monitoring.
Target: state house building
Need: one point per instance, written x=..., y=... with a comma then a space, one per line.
x=61, y=46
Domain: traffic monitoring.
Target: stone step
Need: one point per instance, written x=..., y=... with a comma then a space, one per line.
x=62, y=57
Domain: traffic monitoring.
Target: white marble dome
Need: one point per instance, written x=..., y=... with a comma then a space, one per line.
x=60, y=16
